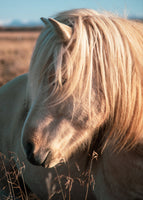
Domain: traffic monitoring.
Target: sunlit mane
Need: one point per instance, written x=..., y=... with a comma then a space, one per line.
x=104, y=55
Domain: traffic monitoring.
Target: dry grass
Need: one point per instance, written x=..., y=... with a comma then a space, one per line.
x=15, y=53
x=12, y=184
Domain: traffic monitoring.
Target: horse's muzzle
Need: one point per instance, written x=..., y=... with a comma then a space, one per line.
x=38, y=158
x=47, y=160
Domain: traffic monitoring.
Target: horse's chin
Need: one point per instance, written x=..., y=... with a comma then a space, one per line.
x=56, y=163
x=52, y=163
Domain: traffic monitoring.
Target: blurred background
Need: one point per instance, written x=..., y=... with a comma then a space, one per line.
x=20, y=26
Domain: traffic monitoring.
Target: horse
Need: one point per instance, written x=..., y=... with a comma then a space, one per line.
x=76, y=118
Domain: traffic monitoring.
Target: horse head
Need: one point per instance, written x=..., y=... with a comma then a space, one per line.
x=59, y=121
x=84, y=74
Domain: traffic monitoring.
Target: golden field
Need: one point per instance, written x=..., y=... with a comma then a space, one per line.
x=16, y=48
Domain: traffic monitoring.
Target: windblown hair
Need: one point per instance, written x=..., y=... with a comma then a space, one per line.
x=104, y=54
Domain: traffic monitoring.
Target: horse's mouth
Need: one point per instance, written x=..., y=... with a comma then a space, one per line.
x=47, y=160
x=51, y=162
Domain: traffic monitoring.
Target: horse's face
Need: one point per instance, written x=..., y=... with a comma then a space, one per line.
x=52, y=135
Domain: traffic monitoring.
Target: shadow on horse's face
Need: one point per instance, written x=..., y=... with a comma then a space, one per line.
x=51, y=135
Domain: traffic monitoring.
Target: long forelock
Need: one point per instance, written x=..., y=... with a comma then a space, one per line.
x=104, y=56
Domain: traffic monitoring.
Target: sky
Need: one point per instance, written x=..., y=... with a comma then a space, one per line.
x=32, y=10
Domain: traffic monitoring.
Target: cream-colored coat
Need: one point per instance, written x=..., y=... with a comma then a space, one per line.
x=116, y=176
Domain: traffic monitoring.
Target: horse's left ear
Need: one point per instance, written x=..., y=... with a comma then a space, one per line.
x=64, y=31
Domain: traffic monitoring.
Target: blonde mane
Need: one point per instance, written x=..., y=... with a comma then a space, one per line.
x=104, y=54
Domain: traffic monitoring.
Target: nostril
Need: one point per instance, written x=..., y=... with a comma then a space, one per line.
x=31, y=156
x=29, y=149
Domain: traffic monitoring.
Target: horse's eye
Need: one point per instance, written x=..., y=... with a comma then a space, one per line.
x=64, y=81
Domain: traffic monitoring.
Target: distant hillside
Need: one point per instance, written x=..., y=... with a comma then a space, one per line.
x=20, y=29
x=140, y=19
x=19, y=23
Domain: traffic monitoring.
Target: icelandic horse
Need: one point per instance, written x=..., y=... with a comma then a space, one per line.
x=76, y=118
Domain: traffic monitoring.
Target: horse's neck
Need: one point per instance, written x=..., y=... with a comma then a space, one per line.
x=78, y=163
x=120, y=175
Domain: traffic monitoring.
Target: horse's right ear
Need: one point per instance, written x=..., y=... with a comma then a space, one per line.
x=64, y=31
x=44, y=20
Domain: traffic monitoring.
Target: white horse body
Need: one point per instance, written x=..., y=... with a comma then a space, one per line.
x=116, y=176
x=12, y=97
